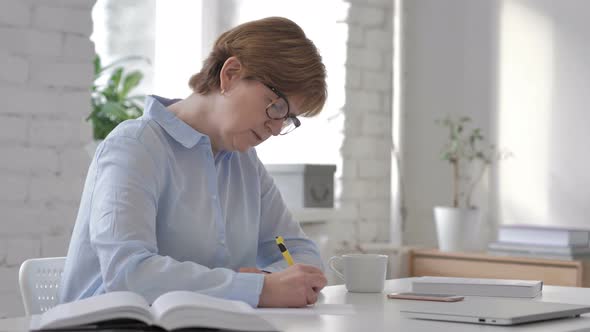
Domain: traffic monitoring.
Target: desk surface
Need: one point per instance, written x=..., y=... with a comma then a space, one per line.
x=376, y=313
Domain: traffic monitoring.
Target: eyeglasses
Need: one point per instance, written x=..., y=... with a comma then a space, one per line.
x=278, y=109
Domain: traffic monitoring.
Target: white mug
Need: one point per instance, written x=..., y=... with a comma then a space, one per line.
x=363, y=273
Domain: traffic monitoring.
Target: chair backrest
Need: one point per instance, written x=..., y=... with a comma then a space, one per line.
x=39, y=280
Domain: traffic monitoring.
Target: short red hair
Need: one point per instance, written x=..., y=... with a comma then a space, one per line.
x=274, y=51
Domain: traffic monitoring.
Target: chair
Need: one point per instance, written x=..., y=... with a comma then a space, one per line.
x=39, y=280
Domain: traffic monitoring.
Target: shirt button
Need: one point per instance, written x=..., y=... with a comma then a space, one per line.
x=214, y=197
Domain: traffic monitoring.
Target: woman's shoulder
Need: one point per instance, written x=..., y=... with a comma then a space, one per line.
x=142, y=131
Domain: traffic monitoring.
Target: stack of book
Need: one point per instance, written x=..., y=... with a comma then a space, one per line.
x=477, y=287
x=542, y=242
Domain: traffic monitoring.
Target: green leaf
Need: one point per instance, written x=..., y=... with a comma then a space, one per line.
x=97, y=65
x=102, y=128
x=446, y=156
x=115, y=79
x=110, y=102
x=130, y=81
x=113, y=111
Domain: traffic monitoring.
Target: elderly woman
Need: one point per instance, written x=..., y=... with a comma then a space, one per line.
x=178, y=199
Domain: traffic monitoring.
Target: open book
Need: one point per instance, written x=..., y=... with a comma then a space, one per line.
x=170, y=311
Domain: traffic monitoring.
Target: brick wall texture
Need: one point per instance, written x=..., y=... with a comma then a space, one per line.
x=366, y=149
x=45, y=75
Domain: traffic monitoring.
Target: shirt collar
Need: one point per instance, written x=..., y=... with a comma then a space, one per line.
x=155, y=108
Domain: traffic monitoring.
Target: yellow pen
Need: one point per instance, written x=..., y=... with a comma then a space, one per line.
x=284, y=250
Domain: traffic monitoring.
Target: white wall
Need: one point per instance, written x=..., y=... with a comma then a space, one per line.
x=544, y=112
x=519, y=69
x=45, y=75
x=449, y=68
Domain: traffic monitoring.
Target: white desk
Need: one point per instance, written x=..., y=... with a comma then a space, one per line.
x=376, y=313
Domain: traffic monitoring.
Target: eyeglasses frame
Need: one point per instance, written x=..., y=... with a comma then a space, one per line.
x=293, y=118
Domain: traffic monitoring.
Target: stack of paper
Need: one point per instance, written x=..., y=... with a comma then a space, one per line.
x=478, y=287
x=542, y=242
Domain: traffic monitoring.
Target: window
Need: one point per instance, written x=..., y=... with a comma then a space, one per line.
x=181, y=33
x=318, y=140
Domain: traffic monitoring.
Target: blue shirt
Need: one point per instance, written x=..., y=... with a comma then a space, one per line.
x=160, y=213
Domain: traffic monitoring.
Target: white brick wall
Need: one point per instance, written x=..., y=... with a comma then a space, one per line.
x=45, y=75
x=13, y=69
x=48, y=16
x=15, y=13
x=25, y=41
x=366, y=149
x=14, y=129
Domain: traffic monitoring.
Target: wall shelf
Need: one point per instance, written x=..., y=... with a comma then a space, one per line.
x=314, y=215
x=431, y=262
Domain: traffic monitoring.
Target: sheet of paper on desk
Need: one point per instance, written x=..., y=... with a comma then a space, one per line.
x=317, y=309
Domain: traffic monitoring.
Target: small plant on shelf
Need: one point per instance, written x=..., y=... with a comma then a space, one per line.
x=469, y=155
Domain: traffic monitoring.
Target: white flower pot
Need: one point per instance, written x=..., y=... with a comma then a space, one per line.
x=457, y=229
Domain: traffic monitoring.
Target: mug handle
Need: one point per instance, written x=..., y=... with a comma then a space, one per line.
x=331, y=262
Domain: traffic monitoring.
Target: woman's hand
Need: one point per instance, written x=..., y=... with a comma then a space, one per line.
x=296, y=286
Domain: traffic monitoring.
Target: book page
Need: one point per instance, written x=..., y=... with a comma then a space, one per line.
x=177, y=300
x=109, y=306
x=185, y=309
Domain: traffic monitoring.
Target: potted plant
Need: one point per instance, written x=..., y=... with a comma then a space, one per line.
x=112, y=102
x=458, y=226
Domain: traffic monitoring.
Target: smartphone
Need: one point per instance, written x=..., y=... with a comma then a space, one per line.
x=425, y=297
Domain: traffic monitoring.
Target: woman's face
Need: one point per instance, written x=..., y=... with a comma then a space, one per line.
x=243, y=121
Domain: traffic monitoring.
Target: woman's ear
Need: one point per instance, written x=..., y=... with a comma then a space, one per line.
x=230, y=73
